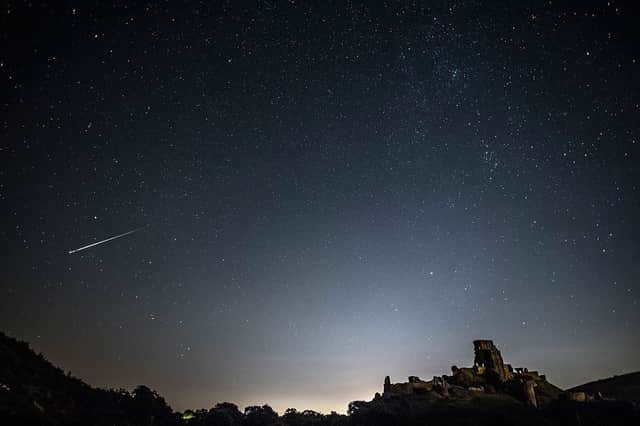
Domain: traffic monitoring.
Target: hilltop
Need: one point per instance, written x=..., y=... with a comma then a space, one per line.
x=625, y=387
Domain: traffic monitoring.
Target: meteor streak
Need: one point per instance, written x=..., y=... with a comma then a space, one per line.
x=105, y=241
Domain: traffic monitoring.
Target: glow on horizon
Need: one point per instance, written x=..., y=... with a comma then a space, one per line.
x=280, y=404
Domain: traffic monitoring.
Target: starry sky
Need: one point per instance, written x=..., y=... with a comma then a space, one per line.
x=331, y=192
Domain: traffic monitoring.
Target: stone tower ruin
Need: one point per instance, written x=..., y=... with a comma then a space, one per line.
x=488, y=361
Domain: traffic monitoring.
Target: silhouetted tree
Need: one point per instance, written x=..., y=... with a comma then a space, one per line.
x=293, y=417
x=147, y=408
x=260, y=416
x=355, y=407
x=223, y=414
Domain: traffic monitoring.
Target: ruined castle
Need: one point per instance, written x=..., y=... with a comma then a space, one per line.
x=489, y=374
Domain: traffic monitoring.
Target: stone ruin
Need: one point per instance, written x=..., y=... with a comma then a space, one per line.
x=489, y=374
x=488, y=361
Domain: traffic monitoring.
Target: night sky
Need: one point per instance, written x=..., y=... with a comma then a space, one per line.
x=331, y=192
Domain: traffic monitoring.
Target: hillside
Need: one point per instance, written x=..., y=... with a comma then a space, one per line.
x=36, y=392
x=625, y=387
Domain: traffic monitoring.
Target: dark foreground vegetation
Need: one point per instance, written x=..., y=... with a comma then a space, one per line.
x=34, y=392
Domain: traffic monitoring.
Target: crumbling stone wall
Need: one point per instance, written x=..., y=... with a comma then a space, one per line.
x=488, y=361
x=413, y=386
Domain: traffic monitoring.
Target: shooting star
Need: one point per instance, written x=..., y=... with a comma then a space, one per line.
x=105, y=241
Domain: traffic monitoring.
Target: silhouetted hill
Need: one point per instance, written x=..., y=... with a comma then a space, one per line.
x=625, y=387
x=33, y=391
